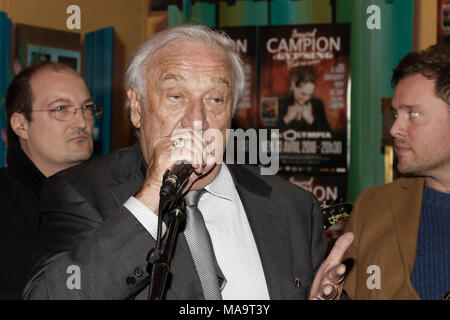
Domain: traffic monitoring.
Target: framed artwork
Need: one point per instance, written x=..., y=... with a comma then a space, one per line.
x=36, y=44
x=390, y=159
x=388, y=120
x=68, y=57
x=444, y=21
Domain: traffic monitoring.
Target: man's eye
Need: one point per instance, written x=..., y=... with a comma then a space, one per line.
x=413, y=114
x=217, y=100
x=89, y=107
x=175, y=97
x=59, y=108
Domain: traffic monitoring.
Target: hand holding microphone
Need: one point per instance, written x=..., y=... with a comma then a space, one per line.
x=175, y=163
x=175, y=179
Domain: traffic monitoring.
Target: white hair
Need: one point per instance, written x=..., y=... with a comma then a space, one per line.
x=135, y=74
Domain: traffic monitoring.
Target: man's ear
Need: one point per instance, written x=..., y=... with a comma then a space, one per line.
x=19, y=125
x=135, y=107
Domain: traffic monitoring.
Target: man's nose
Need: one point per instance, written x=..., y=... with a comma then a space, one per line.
x=195, y=113
x=79, y=120
x=397, y=128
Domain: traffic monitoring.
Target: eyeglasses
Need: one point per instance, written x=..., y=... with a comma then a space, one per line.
x=67, y=112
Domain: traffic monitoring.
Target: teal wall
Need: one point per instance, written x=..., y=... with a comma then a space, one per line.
x=296, y=12
x=197, y=13
x=374, y=53
x=243, y=13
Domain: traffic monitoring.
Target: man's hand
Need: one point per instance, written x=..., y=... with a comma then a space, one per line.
x=165, y=154
x=327, y=284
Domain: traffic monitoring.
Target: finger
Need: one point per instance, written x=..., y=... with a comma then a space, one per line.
x=187, y=153
x=340, y=270
x=196, y=157
x=211, y=153
x=336, y=274
x=192, y=149
x=339, y=248
x=329, y=292
x=192, y=140
x=200, y=149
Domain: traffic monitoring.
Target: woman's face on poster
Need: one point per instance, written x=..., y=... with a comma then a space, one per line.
x=303, y=92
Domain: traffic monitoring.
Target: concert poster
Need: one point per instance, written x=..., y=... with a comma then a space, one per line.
x=444, y=21
x=325, y=187
x=313, y=143
x=304, y=91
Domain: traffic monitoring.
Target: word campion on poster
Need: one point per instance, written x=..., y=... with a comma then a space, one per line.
x=303, y=90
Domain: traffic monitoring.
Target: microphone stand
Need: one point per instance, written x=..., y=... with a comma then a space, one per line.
x=160, y=260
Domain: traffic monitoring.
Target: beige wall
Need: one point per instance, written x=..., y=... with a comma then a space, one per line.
x=157, y=21
x=129, y=19
x=425, y=24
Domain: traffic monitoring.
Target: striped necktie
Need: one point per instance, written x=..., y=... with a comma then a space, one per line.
x=201, y=248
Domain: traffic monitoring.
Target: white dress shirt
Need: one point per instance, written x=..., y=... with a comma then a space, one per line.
x=231, y=236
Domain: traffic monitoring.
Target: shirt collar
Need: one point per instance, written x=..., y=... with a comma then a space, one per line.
x=222, y=186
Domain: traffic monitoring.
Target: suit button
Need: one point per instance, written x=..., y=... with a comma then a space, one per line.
x=138, y=272
x=131, y=280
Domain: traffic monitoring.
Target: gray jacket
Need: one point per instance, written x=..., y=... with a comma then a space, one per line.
x=84, y=224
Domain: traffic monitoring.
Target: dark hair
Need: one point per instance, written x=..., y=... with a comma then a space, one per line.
x=19, y=97
x=304, y=74
x=433, y=63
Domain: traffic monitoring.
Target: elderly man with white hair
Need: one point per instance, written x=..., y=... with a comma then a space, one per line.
x=263, y=236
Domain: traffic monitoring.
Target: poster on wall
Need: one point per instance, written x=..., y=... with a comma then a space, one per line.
x=298, y=81
x=444, y=21
x=304, y=87
x=324, y=186
x=304, y=91
x=245, y=42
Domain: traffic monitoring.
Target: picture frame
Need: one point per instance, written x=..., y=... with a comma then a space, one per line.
x=37, y=44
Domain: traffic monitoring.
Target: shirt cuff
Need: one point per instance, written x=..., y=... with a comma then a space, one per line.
x=145, y=216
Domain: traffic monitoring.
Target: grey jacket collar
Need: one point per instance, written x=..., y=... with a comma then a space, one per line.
x=269, y=229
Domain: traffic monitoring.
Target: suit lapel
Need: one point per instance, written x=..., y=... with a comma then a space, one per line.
x=183, y=281
x=270, y=232
x=128, y=175
x=406, y=204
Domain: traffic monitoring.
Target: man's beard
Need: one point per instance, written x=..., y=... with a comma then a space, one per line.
x=417, y=165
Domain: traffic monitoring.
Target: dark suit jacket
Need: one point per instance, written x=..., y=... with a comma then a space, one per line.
x=20, y=185
x=84, y=223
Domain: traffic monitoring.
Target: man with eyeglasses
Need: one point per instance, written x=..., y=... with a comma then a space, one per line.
x=50, y=122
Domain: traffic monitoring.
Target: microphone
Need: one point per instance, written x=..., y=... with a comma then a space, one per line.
x=175, y=178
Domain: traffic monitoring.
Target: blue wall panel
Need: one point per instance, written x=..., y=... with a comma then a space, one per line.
x=5, y=77
x=98, y=74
